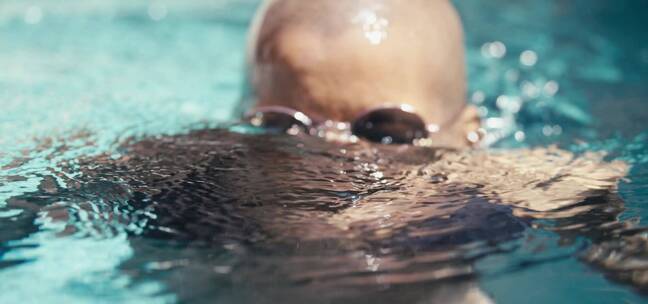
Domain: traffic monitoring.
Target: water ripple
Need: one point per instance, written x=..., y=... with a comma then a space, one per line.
x=300, y=216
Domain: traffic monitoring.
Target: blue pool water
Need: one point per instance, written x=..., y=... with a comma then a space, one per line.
x=79, y=78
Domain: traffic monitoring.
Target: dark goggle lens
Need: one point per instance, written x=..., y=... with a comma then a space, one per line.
x=278, y=121
x=391, y=126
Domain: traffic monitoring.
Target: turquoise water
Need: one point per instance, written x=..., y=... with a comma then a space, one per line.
x=78, y=78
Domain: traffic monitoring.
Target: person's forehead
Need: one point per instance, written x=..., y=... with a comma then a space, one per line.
x=349, y=56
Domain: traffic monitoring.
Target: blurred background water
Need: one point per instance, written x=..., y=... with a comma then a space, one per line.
x=77, y=78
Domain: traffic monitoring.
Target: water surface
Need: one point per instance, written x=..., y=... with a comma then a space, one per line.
x=82, y=79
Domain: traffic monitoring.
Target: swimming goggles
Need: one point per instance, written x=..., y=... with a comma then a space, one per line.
x=388, y=125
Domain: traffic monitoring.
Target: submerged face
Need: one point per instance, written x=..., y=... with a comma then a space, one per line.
x=302, y=220
x=336, y=60
x=295, y=219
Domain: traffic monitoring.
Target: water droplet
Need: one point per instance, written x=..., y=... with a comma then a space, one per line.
x=547, y=130
x=520, y=136
x=433, y=128
x=530, y=90
x=478, y=97
x=528, y=58
x=473, y=137
x=483, y=111
x=293, y=130
x=495, y=49
x=551, y=88
x=495, y=123
x=374, y=26
x=509, y=103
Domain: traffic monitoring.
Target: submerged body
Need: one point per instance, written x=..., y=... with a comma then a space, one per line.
x=263, y=219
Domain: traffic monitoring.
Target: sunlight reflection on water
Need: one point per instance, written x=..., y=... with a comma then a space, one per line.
x=81, y=77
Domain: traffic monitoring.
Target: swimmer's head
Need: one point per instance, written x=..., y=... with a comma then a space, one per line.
x=339, y=59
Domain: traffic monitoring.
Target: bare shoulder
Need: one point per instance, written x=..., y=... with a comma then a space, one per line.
x=538, y=180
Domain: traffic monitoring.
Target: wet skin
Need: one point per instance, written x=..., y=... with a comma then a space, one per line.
x=261, y=218
x=335, y=60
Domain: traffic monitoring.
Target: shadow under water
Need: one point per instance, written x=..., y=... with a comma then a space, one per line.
x=228, y=217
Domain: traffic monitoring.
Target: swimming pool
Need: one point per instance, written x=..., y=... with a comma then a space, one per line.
x=79, y=78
